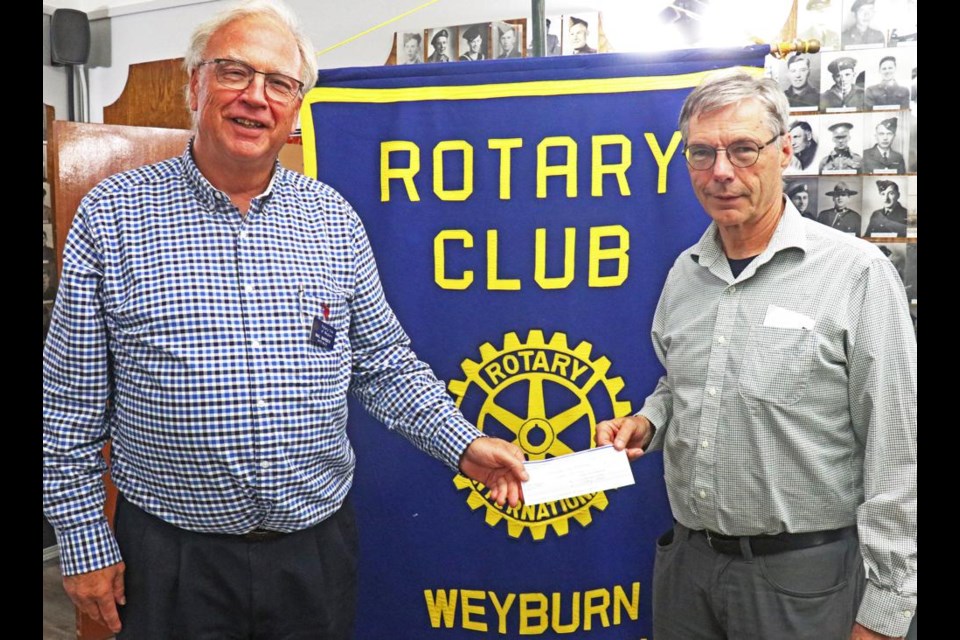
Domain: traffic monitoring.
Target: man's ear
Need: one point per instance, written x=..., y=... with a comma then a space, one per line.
x=194, y=89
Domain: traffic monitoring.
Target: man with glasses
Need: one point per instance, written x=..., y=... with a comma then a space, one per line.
x=216, y=310
x=787, y=413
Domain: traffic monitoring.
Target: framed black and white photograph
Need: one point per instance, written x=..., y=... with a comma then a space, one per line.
x=473, y=42
x=888, y=79
x=49, y=281
x=581, y=33
x=409, y=47
x=911, y=206
x=509, y=40
x=554, y=37
x=885, y=199
x=912, y=140
x=897, y=254
x=799, y=77
x=903, y=22
x=842, y=80
x=47, y=313
x=841, y=140
x=862, y=28
x=48, y=250
x=803, y=194
x=804, y=132
x=910, y=278
x=441, y=44
x=840, y=204
x=888, y=135
x=820, y=20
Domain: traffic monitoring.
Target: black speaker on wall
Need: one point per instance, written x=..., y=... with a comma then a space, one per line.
x=69, y=37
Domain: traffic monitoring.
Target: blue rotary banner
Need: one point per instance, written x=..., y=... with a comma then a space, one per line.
x=524, y=215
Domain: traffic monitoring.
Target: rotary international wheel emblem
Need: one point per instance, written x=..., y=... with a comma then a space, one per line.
x=545, y=398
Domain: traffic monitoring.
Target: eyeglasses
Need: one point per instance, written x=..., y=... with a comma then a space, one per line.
x=237, y=75
x=742, y=153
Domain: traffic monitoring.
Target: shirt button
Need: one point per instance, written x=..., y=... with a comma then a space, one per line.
x=703, y=494
x=908, y=614
x=249, y=288
x=705, y=444
x=261, y=403
x=265, y=464
x=732, y=289
x=255, y=343
x=712, y=391
x=722, y=340
x=242, y=234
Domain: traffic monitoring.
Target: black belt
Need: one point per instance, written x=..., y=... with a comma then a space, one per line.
x=261, y=535
x=766, y=545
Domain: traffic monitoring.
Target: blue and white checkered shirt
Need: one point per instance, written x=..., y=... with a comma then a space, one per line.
x=182, y=331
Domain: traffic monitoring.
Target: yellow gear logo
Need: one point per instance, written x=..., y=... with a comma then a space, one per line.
x=541, y=396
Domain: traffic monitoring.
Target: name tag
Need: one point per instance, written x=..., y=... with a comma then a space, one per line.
x=323, y=334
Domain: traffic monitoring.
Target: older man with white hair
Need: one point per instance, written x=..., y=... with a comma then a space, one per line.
x=215, y=311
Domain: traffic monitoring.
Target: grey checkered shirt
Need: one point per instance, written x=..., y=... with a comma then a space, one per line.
x=802, y=417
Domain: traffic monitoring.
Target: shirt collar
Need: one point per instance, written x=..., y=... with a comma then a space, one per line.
x=215, y=200
x=790, y=233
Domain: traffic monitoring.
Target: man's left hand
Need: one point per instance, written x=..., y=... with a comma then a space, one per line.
x=860, y=632
x=498, y=465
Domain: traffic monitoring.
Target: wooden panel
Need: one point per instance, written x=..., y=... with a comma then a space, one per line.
x=82, y=154
x=152, y=97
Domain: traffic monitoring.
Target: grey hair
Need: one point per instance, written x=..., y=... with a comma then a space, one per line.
x=274, y=10
x=731, y=86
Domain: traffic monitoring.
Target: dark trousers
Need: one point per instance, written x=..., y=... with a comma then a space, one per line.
x=699, y=594
x=182, y=585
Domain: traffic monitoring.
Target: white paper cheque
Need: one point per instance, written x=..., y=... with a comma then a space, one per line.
x=576, y=474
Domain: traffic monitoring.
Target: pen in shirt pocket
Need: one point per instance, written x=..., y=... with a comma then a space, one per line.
x=302, y=303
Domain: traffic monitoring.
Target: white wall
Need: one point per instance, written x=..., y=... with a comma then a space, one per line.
x=158, y=29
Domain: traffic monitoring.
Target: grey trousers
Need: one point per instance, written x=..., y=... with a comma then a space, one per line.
x=699, y=594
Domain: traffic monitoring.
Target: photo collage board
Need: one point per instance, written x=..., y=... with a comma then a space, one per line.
x=853, y=124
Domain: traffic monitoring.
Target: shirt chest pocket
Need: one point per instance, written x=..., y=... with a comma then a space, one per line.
x=776, y=364
x=320, y=358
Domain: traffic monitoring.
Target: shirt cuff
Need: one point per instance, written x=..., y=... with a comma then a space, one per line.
x=454, y=440
x=88, y=548
x=886, y=612
x=659, y=421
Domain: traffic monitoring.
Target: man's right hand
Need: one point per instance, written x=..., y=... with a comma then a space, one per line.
x=98, y=593
x=632, y=433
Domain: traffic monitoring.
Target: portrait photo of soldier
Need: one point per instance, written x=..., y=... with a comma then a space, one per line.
x=841, y=208
x=889, y=216
x=804, y=135
x=803, y=194
x=410, y=48
x=800, y=81
x=440, y=46
x=474, y=42
x=884, y=90
x=843, y=92
x=820, y=20
x=845, y=136
x=885, y=156
x=509, y=39
x=581, y=36
x=859, y=30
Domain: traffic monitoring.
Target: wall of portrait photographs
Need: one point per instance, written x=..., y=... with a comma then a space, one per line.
x=571, y=34
x=854, y=124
